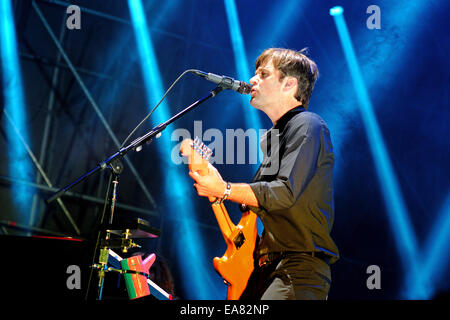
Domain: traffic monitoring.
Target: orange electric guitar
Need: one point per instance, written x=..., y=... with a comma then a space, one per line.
x=236, y=265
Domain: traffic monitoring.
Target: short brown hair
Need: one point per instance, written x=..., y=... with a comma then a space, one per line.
x=295, y=64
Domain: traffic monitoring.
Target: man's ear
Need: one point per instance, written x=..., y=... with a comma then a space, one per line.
x=291, y=82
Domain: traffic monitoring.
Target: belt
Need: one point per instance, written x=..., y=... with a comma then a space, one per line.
x=272, y=256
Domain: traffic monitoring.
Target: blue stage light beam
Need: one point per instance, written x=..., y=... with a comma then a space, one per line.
x=242, y=66
x=243, y=70
x=397, y=212
x=387, y=62
x=335, y=11
x=274, y=26
x=20, y=166
x=198, y=282
x=434, y=258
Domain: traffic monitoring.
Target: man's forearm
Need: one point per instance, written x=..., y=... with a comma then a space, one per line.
x=243, y=193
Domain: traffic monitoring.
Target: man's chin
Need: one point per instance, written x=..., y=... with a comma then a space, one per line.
x=252, y=103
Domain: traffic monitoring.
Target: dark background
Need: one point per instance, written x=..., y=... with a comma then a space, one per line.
x=406, y=71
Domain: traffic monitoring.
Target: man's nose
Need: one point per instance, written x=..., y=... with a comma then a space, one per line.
x=253, y=80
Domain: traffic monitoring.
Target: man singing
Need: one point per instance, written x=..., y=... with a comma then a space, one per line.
x=294, y=202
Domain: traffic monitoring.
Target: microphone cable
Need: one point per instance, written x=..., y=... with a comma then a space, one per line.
x=160, y=101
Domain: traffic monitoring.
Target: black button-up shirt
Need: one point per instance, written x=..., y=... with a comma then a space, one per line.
x=294, y=186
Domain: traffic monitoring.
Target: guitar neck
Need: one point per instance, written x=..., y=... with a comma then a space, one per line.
x=198, y=163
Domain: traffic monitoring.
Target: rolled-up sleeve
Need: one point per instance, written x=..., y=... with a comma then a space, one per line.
x=297, y=166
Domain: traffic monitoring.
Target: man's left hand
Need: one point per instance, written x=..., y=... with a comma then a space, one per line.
x=209, y=185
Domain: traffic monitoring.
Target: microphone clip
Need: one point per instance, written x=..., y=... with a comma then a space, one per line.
x=225, y=82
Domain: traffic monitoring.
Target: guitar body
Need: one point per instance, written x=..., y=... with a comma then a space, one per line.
x=237, y=264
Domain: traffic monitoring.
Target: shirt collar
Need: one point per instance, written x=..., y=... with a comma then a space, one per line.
x=281, y=123
x=265, y=140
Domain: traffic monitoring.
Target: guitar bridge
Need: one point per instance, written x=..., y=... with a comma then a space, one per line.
x=239, y=240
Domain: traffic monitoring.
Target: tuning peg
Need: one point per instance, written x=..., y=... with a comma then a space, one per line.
x=195, y=144
x=196, y=141
x=208, y=154
x=204, y=150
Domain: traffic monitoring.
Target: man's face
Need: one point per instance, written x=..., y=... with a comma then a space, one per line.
x=266, y=86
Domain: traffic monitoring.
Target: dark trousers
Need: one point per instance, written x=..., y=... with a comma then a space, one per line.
x=291, y=277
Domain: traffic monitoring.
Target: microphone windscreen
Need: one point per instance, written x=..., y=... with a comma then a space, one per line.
x=244, y=88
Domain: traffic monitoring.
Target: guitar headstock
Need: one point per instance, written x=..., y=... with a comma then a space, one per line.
x=197, y=152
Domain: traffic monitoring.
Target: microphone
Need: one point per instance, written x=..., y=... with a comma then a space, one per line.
x=226, y=82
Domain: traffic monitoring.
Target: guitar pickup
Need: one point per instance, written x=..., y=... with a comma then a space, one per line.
x=239, y=240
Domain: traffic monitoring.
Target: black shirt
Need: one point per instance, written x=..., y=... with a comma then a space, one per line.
x=294, y=186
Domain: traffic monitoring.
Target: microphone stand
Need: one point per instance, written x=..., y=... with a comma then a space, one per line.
x=135, y=145
x=114, y=163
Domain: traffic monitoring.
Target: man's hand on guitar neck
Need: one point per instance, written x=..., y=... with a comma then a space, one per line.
x=212, y=185
x=209, y=185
